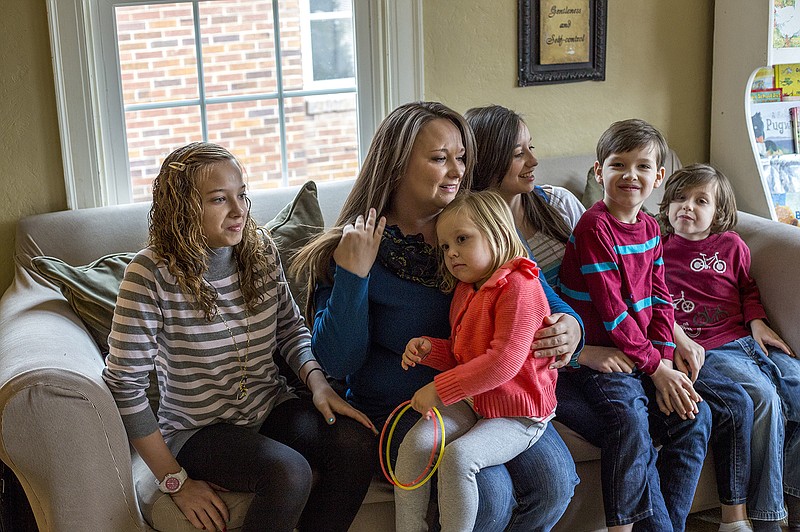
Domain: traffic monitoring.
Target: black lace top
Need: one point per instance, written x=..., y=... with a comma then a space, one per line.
x=409, y=257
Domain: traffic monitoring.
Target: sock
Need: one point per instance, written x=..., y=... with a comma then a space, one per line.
x=793, y=505
x=766, y=526
x=736, y=526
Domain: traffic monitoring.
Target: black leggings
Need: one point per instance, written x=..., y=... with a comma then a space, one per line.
x=276, y=463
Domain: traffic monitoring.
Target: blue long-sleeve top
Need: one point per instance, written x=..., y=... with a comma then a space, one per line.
x=362, y=326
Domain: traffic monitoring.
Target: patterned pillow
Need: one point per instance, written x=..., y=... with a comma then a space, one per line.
x=91, y=290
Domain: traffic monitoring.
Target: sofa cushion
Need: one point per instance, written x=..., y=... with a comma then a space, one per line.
x=91, y=290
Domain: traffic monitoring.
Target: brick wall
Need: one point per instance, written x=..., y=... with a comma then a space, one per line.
x=158, y=66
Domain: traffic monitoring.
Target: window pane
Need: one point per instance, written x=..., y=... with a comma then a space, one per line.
x=328, y=6
x=321, y=139
x=332, y=46
x=251, y=130
x=156, y=53
x=238, y=47
x=152, y=135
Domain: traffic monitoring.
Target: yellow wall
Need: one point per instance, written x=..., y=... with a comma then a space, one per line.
x=658, y=68
x=31, y=175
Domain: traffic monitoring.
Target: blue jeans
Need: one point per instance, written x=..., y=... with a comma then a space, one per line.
x=731, y=431
x=773, y=383
x=618, y=413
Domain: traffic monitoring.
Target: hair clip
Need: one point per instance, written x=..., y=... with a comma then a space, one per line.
x=177, y=166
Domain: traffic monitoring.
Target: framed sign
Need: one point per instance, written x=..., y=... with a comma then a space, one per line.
x=561, y=41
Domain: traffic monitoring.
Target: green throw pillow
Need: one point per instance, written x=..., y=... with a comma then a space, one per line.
x=91, y=290
x=292, y=228
x=593, y=192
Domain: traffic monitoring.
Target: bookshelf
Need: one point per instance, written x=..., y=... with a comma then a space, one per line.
x=743, y=43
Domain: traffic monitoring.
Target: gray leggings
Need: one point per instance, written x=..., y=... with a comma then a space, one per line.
x=472, y=444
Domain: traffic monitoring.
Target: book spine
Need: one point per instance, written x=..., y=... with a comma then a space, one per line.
x=793, y=112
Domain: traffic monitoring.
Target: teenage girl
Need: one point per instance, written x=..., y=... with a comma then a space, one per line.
x=708, y=267
x=497, y=398
x=207, y=305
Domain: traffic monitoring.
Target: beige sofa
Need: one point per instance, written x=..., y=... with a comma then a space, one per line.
x=61, y=433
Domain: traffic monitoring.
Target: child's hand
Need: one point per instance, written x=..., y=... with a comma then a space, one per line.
x=689, y=355
x=358, y=247
x=605, y=359
x=764, y=335
x=674, y=392
x=425, y=399
x=416, y=350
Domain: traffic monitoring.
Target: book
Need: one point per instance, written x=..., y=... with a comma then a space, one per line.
x=772, y=127
x=764, y=79
x=787, y=78
x=794, y=113
x=766, y=95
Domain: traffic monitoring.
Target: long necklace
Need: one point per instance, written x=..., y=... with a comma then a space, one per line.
x=242, y=360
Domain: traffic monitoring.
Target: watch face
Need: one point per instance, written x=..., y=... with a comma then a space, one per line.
x=172, y=484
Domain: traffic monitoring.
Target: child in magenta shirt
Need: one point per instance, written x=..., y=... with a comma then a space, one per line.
x=708, y=268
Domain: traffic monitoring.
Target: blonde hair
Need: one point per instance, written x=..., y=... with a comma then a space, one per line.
x=381, y=173
x=176, y=230
x=492, y=216
x=698, y=175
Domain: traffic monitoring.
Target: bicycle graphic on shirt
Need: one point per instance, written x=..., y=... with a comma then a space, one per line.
x=709, y=316
x=686, y=305
x=704, y=262
x=691, y=332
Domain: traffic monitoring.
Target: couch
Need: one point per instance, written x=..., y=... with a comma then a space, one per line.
x=60, y=431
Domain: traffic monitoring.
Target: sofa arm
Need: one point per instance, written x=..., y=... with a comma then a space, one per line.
x=60, y=430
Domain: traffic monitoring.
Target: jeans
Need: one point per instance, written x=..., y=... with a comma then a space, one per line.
x=773, y=383
x=276, y=464
x=731, y=431
x=512, y=497
x=618, y=412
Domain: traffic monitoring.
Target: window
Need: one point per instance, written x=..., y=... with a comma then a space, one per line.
x=273, y=81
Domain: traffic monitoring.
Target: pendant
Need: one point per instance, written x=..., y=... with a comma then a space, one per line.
x=242, y=388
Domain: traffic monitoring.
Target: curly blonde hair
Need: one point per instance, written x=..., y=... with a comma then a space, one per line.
x=381, y=173
x=176, y=230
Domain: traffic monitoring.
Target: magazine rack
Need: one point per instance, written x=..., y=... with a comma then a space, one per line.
x=747, y=36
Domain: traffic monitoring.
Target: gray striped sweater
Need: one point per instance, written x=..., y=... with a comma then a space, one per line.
x=155, y=324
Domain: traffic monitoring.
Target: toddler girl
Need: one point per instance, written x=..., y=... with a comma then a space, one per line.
x=497, y=307
x=708, y=269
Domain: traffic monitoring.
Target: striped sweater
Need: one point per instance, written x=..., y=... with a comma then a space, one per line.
x=613, y=276
x=156, y=325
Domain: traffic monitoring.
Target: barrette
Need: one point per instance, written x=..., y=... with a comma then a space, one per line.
x=177, y=166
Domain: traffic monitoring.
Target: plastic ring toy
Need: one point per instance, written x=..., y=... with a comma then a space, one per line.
x=384, y=457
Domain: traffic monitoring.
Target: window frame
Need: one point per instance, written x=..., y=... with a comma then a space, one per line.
x=89, y=95
x=308, y=58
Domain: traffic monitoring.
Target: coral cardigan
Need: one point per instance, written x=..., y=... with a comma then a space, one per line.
x=488, y=354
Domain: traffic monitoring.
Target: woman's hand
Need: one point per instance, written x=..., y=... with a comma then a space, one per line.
x=558, y=337
x=674, y=391
x=329, y=403
x=764, y=336
x=416, y=350
x=689, y=355
x=605, y=359
x=201, y=505
x=425, y=399
x=359, y=245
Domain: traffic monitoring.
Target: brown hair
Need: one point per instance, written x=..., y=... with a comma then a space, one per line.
x=380, y=175
x=698, y=175
x=496, y=130
x=492, y=216
x=176, y=230
x=629, y=135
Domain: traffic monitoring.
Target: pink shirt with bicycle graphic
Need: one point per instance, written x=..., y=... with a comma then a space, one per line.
x=712, y=291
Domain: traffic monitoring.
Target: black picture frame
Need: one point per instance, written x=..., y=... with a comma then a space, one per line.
x=533, y=72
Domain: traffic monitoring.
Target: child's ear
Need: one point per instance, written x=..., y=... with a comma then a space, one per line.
x=598, y=172
x=659, y=177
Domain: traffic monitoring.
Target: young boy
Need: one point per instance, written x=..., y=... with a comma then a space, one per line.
x=612, y=275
